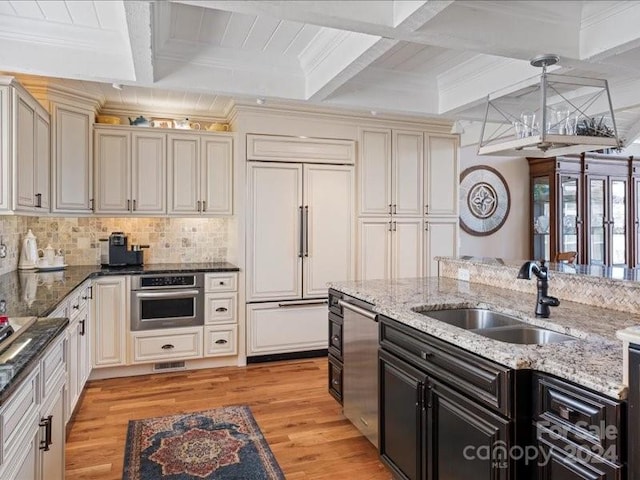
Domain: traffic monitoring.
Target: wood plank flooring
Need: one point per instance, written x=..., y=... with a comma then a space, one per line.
x=302, y=423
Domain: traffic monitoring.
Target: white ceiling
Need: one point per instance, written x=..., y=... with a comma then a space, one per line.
x=433, y=58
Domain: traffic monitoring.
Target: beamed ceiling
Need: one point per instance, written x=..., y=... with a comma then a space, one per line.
x=435, y=58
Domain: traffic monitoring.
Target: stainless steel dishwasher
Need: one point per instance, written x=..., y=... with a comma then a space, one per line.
x=360, y=371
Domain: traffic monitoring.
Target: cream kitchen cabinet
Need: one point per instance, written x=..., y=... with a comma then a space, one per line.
x=24, y=150
x=220, y=314
x=441, y=174
x=32, y=421
x=72, y=166
x=32, y=154
x=109, y=321
x=440, y=240
x=392, y=248
x=390, y=173
x=200, y=174
x=130, y=172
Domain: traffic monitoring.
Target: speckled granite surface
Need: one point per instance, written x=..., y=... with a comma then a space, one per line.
x=593, y=360
x=40, y=334
x=614, y=288
x=35, y=294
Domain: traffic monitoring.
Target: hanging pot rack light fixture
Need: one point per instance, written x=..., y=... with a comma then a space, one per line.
x=558, y=115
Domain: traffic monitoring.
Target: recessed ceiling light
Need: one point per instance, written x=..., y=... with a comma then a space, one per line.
x=260, y=101
x=117, y=86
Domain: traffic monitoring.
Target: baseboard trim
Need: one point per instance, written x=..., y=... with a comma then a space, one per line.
x=274, y=357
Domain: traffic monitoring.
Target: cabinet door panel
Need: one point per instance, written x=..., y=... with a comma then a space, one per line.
x=72, y=162
x=109, y=322
x=26, y=468
x=25, y=153
x=53, y=459
x=618, y=250
x=401, y=417
x=407, y=173
x=596, y=220
x=43, y=163
x=374, y=248
x=113, y=172
x=458, y=429
x=406, y=242
x=148, y=172
x=441, y=175
x=274, y=265
x=73, y=369
x=329, y=227
x=375, y=172
x=282, y=327
x=441, y=240
x=217, y=176
x=184, y=173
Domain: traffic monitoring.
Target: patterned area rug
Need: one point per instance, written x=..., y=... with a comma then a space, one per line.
x=221, y=444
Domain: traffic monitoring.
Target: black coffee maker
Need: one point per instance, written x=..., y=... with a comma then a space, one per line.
x=114, y=251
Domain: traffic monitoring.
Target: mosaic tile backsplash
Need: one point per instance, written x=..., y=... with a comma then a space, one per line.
x=170, y=240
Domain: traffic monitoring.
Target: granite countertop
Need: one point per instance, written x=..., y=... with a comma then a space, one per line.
x=594, y=359
x=28, y=293
x=39, y=336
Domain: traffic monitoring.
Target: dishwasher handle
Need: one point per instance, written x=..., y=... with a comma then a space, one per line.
x=358, y=310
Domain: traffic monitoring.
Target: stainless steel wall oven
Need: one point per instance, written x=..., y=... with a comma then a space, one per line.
x=167, y=301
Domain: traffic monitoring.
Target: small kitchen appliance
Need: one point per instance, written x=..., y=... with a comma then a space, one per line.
x=114, y=251
x=29, y=252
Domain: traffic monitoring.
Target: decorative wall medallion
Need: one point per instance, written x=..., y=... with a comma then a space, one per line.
x=484, y=200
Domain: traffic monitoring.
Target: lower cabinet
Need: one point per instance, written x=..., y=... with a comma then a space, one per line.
x=286, y=327
x=32, y=421
x=402, y=417
x=169, y=344
x=443, y=413
x=109, y=321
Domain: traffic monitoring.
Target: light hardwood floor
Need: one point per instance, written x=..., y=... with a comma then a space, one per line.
x=302, y=423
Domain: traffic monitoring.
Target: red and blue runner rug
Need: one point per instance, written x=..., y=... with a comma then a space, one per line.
x=220, y=444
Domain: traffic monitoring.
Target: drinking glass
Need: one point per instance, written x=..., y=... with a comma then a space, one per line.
x=528, y=121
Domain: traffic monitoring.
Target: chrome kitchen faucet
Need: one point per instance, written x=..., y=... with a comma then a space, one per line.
x=544, y=301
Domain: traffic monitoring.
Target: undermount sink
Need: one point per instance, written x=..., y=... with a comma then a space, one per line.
x=473, y=318
x=525, y=335
x=497, y=326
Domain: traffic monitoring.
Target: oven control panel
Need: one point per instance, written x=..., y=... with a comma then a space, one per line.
x=167, y=281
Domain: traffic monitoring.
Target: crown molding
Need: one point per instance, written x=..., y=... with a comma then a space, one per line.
x=43, y=90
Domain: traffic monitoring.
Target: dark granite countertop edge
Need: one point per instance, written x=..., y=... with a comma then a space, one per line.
x=32, y=357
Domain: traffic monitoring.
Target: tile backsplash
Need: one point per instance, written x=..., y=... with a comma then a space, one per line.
x=170, y=239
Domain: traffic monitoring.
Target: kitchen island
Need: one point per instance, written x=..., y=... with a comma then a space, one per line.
x=464, y=390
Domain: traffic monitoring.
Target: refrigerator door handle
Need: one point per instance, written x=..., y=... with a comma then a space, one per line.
x=306, y=230
x=301, y=231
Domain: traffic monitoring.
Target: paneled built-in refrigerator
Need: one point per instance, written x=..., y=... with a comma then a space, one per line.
x=300, y=235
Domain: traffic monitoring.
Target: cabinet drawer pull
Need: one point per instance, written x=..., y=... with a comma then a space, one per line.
x=167, y=346
x=335, y=338
x=221, y=341
x=335, y=382
x=82, y=331
x=46, y=423
x=76, y=307
x=426, y=355
x=565, y=412
x=221, y=282
x=221, y=309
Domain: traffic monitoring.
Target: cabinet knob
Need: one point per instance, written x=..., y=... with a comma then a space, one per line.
x=221, y=283
x=221, y=309
x=335, y=338
x=167, y=346
x=221, y=341
x=335, y=382
x=76, y=307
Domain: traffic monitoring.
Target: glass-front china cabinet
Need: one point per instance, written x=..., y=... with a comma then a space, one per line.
x=589, y=204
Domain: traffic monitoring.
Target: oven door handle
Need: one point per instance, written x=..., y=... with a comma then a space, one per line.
x=173, y=294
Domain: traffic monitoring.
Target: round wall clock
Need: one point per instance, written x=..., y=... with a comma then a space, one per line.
x=484, y=200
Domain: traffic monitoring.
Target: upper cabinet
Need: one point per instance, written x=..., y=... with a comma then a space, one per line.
x=407, y=173
x=200, y=174
x=130, y=172
x=24, y=150
x=72, y=159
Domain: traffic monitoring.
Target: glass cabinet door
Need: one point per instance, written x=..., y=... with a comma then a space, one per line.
x=569, y=220
x=636, y=222
x=541, y=220
x=597, y=227
x=618, y=222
